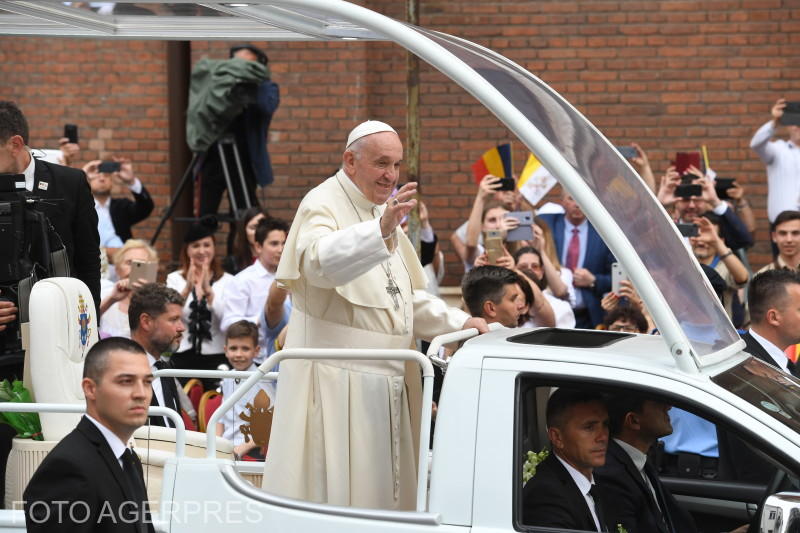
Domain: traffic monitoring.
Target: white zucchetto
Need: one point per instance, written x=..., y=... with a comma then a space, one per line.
x=367, y=128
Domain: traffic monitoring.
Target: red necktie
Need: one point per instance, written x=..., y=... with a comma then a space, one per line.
x=574, y=250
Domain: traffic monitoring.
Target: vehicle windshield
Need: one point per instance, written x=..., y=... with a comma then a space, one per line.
x=617, y=187
x=774, y=392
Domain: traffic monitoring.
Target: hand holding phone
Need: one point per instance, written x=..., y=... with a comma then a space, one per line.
x=109, y=167
x=146, y=270
x=71, y=133
x=523, y=231
x=493, y=242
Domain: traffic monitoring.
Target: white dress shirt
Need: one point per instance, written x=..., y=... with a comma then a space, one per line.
x=584, y=485
x=29, y=172
x=158, y=390
x=117, y=446
x=245, y=298
x=783, y=170
x=639, y=459
x=779, y=358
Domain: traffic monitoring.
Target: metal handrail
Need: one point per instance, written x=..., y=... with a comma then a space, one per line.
x=211, y=374
x=455, y=336
x=344, y=354
x=180, y=428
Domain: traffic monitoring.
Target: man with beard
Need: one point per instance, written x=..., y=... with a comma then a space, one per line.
x=154, y=315
x=636, y=498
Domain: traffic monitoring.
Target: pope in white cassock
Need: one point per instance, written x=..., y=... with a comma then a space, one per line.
x=342, y=430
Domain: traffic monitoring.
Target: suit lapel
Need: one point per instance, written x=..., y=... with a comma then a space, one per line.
x=41, y=174
x=626, y=461
x=91, y=432
x=578, y=500
x=558, y=235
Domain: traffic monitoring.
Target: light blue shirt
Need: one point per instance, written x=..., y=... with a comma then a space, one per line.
x=691, y=434
x=583, y=235
x=270, y=334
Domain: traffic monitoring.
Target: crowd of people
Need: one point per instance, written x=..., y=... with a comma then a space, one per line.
x=318, y=281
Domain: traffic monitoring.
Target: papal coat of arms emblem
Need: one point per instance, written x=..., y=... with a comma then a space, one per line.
x=83, y=321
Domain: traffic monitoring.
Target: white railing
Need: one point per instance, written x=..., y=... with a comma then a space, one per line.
x=180, y=428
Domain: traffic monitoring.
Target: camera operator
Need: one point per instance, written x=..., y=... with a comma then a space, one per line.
x=249, y=129
x=115, y=216
x=66, y=200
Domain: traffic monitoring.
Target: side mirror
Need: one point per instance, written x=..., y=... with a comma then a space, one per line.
x=781, y=513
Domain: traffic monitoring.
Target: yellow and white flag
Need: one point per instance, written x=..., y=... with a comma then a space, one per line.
x=535, y=181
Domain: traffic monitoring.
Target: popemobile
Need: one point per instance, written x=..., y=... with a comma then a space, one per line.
x=491, y=409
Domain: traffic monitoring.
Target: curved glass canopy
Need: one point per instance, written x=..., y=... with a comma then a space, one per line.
x=618, y=203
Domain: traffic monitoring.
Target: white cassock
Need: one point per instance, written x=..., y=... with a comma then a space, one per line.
x=342, y=433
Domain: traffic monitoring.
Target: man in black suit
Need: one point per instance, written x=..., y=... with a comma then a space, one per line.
x=122, y=213
x=91, y=481
x=774, y=300
x=155, y=317
x=581, y=249
x=73, y=216
x=562, y=493
x=635, y=495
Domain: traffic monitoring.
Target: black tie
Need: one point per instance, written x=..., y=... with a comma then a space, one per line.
x=652, y=475
x=169, y=390
x=598, y=507
x=136, y=485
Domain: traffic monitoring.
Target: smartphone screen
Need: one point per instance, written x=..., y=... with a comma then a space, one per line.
x=628, y=152
x=71, y=133
x=688, y=230
x=109, y=167
x=687, y=191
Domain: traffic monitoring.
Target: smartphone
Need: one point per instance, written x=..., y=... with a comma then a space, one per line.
x=687, y=179
x=721, y=185
x=71, y=133
x=791, y=114
x=617, y=275
x=686, y=191
x=146, y=270
x=688, y=230
x=523, y=232
x=493, y=242
x=507, y=184
x=684, y=160
x=628, y=152
x=109, y=167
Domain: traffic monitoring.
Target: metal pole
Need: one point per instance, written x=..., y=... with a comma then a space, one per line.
x=412, y=126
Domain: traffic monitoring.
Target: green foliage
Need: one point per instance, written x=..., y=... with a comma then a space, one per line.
x=26, y=424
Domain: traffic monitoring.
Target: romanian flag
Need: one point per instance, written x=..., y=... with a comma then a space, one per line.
x=496, y=161
x=535, y=181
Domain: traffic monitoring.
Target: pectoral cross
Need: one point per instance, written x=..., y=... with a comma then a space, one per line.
x=393, y=290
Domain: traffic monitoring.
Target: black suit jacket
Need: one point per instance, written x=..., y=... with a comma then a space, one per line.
x=552, y=499
x=629, y=501
x=81, y=468
x=738, y=462
x=73, y=218
x=754, y=348
x=125, y=212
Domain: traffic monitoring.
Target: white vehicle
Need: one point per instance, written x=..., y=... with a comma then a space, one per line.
x=491, y=408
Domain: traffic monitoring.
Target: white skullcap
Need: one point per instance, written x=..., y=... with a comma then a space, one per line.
x=367, y=128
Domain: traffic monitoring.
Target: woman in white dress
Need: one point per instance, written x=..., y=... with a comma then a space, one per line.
x=114, y=307
x=201, y=281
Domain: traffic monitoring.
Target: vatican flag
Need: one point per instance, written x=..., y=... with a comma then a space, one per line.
x=535, y=181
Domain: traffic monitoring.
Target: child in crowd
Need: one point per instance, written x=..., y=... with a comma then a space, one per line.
x=241, y=347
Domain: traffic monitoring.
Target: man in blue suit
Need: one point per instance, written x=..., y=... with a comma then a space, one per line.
x=580, y=249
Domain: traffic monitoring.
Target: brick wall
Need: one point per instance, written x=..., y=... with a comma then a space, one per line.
x=668, y=75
